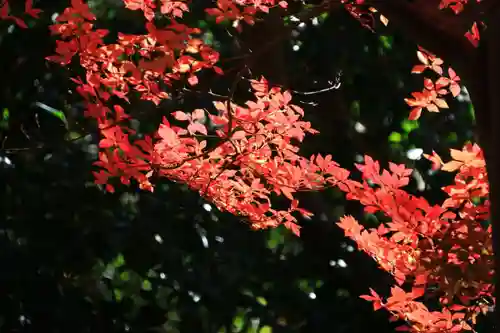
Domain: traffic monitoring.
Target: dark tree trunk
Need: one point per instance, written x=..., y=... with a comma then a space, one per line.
x=485, y=96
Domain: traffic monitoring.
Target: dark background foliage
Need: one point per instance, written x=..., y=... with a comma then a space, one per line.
x=76, y=259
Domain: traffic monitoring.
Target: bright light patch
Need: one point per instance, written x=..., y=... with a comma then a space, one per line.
x=359, y=127
x=342, y=263
x=158, y=239
x=415, y=153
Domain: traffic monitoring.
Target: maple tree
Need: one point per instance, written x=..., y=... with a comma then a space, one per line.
x=246, y=155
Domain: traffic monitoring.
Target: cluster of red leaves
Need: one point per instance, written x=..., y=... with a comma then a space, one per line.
x=431, y=97
x=242, y=10
x=364, y=14
x=28, y=9
x=164, y=55
x=255, y=155
x=441, y=251
x=444, y=251
x=458, y=6
x=167, y=7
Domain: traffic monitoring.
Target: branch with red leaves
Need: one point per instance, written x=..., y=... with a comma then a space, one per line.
x=443, y=251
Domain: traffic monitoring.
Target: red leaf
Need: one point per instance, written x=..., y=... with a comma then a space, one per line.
x=181, y=116
x=293, y=227
x=417, y=69
x=193, y=80
x=432, y=108
x=415, y=114
x=283, y=4
x=455, y=89
x=238, y=135
x=473, y=35
x=428, y=84
x=197, y=127
x=287, y=192
x=198, y=114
